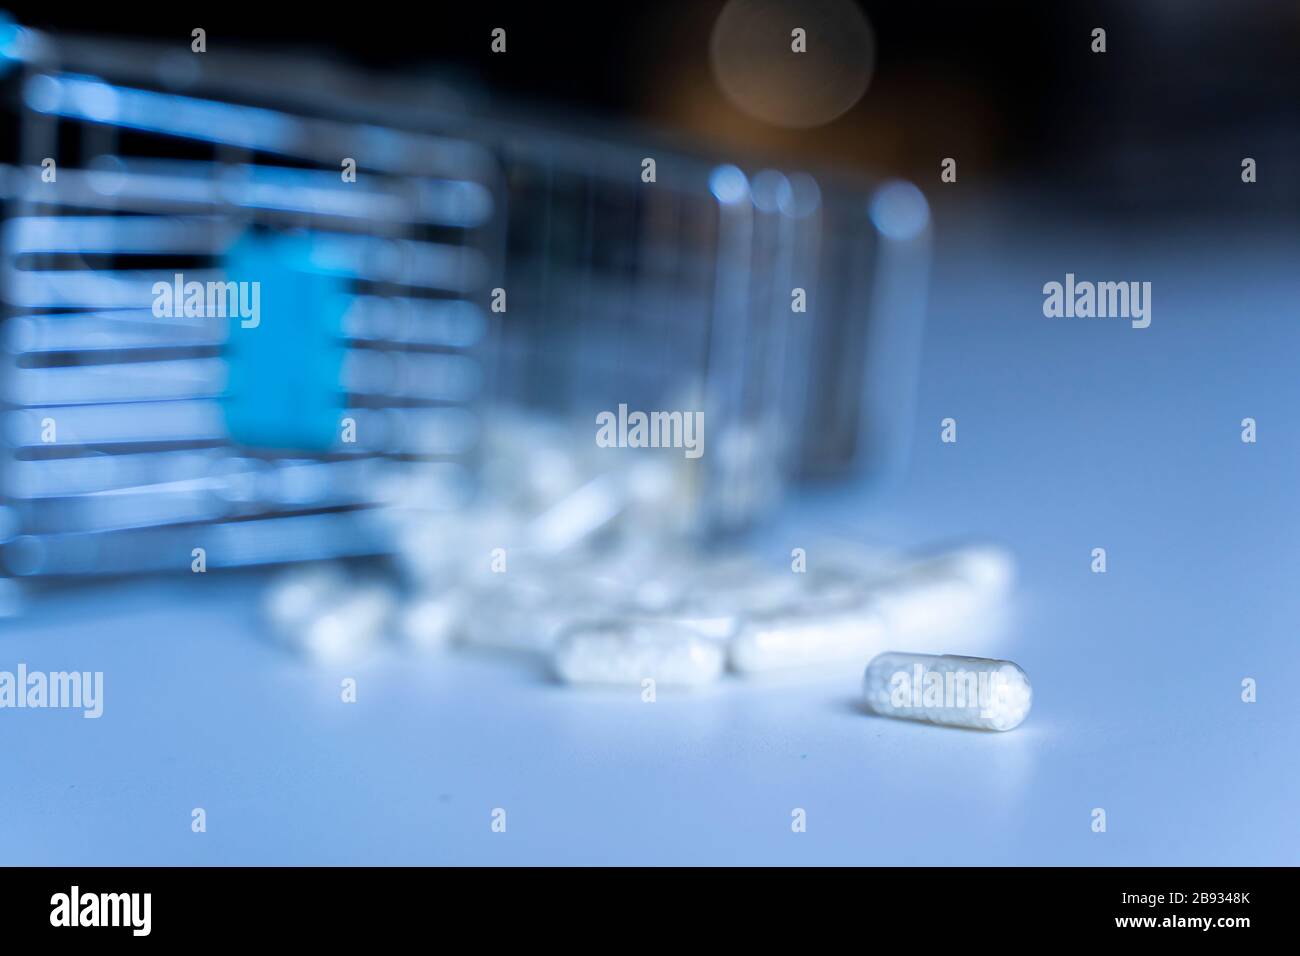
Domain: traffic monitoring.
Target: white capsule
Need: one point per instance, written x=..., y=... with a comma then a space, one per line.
x=578, y=517
x=348, y=626
x=807, y=636
x=297, y=595
x=946, y=592
x=318, y=612
x=629, y=652
x=945, y=689
x=429, y=622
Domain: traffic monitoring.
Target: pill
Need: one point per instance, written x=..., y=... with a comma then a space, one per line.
x=295, y=596
x=945, y=592
x=802, y=636
x=429, y=622
x=945, y=689
x=348, y=626
x=629, y=652
x=579, y=516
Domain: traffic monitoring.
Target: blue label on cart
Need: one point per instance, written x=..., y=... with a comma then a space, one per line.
x=286, y=346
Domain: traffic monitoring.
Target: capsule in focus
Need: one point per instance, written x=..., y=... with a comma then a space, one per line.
x=945, y=689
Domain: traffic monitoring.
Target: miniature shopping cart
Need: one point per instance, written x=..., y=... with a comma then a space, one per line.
x=381, y=223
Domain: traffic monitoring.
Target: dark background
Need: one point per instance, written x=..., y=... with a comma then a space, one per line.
x=1011, y=90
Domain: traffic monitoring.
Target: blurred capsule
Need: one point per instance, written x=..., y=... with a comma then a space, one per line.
x=296, y=595
x=580, y=515
x=430, y=622
x=318, y=611
x=803, y=636
x=349, y=626
x=947, y=592
x=629, y=652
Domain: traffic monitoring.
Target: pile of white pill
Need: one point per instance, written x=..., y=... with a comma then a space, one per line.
x=572, y=562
